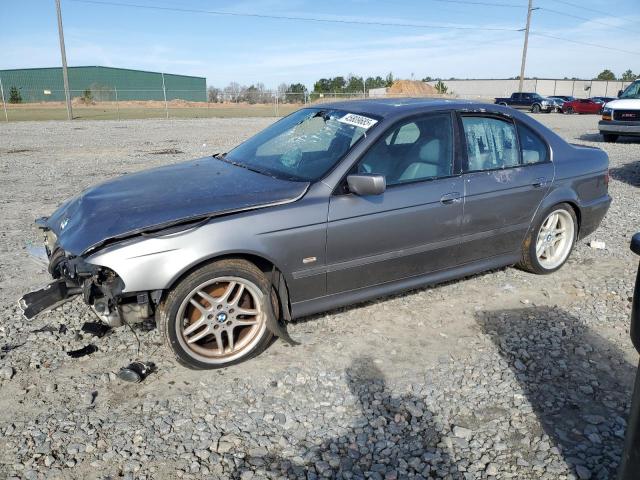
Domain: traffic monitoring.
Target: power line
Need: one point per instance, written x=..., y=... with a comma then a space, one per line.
x=585, y=43
x=577, y=5
x=486, y=4
x=295, y=18
x=587, y=19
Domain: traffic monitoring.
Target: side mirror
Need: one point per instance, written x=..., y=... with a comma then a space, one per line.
x=619, y=93
x=364, y=184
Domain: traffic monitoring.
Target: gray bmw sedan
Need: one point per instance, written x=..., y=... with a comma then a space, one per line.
x=334, y=204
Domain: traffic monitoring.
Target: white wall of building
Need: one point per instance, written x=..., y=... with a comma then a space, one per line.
x=489, y=89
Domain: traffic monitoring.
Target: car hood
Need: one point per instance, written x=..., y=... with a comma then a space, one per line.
x=627, y=104
x=162, y=197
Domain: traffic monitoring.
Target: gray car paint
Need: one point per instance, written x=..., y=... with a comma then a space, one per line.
x=362, y=246
x=157, y=198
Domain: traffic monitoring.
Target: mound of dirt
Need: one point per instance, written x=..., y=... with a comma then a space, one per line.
x=411, y=87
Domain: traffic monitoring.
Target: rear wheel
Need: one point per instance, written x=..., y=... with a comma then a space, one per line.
x=548, y=245
x=610, y=137
x=535, y=108
x=216, y=316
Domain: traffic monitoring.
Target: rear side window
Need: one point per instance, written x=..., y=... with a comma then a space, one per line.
x=491, y=143
x=534, y=149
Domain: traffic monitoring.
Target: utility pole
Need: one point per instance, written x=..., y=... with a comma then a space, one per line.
x=63, y=54
x=526, y=42
x=4, y=105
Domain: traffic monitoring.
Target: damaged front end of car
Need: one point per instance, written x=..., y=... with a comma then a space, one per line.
x=100, y=287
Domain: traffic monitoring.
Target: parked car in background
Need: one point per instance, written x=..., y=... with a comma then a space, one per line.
x=527, y=101
x=557, y=104
x=622, y=116
x=582, y=105
x=603, y=100
x=330, y=206
x=565, y=98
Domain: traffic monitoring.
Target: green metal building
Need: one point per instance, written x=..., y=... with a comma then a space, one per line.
x=103, y=83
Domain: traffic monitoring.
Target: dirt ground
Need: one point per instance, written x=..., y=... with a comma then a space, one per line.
x=498, y=354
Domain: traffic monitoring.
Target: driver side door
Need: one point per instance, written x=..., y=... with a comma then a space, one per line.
x=409, y=230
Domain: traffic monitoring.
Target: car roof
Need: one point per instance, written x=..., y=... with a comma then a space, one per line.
x=392, y=107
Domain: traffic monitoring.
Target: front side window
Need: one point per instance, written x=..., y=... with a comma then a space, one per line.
x=415, y=150
x=491, y=143
x=534, y=150
x=303, y=146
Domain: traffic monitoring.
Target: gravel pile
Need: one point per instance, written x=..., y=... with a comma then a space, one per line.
x=500, y=375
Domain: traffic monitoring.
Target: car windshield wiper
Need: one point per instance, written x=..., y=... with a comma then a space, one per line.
x=242, y=165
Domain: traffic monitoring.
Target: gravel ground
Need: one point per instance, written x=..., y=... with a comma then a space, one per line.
x=500, y=375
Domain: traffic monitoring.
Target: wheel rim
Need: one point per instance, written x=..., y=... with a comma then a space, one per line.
x=221, y=320
x=555, y=239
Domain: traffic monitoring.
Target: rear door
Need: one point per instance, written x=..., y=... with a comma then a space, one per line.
x=518, y=98
x=507, y=173
x=413, y=227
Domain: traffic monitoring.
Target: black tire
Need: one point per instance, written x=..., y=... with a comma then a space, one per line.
x=610, y=137
x=535, y=108
x=167, y=312
x=529, y=260
x=569, y=110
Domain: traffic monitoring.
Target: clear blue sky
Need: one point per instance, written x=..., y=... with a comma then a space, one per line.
x=250, y=49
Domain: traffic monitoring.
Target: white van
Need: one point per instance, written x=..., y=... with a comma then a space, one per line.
x=622, y=116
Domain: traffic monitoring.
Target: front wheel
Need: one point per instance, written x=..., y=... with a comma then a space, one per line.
x=548, y=245
x=217, y=315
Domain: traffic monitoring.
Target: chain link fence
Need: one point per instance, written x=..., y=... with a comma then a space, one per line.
x=107, y=103
x=23, y=104
x=115, y=104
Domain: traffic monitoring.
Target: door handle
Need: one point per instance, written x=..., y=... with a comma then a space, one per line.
x=449, y=198
x=539, y=182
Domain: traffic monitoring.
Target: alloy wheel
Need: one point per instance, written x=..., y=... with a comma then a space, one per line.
x=221, y=319
x=555, y=239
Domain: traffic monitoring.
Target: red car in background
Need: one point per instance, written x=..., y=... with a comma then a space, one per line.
x=582, y=105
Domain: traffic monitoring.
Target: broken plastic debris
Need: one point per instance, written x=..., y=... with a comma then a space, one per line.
x=82, y=352
x=135, y=372
x=46, y=328
x=597, y=244
x=96, y=328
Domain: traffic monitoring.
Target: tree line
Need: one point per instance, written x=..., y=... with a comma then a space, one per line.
x=296, y=92
x=627, y=76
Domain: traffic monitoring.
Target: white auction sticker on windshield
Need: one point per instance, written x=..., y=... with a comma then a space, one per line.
x=358, y=121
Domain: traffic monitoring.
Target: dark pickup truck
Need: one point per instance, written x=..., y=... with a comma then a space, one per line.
x=528, y=101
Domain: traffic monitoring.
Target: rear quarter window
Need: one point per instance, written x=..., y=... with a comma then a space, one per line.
x=534, y=149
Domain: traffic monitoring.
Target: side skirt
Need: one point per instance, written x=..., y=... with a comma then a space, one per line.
x=328, y=302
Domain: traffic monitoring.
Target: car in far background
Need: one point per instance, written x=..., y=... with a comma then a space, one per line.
x=557, y=104
x=582, y=105
x=622, y=116
x=527, y=101
x=603, y=100
x=564, y=98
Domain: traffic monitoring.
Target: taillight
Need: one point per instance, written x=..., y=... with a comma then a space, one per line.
x=606, y=179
